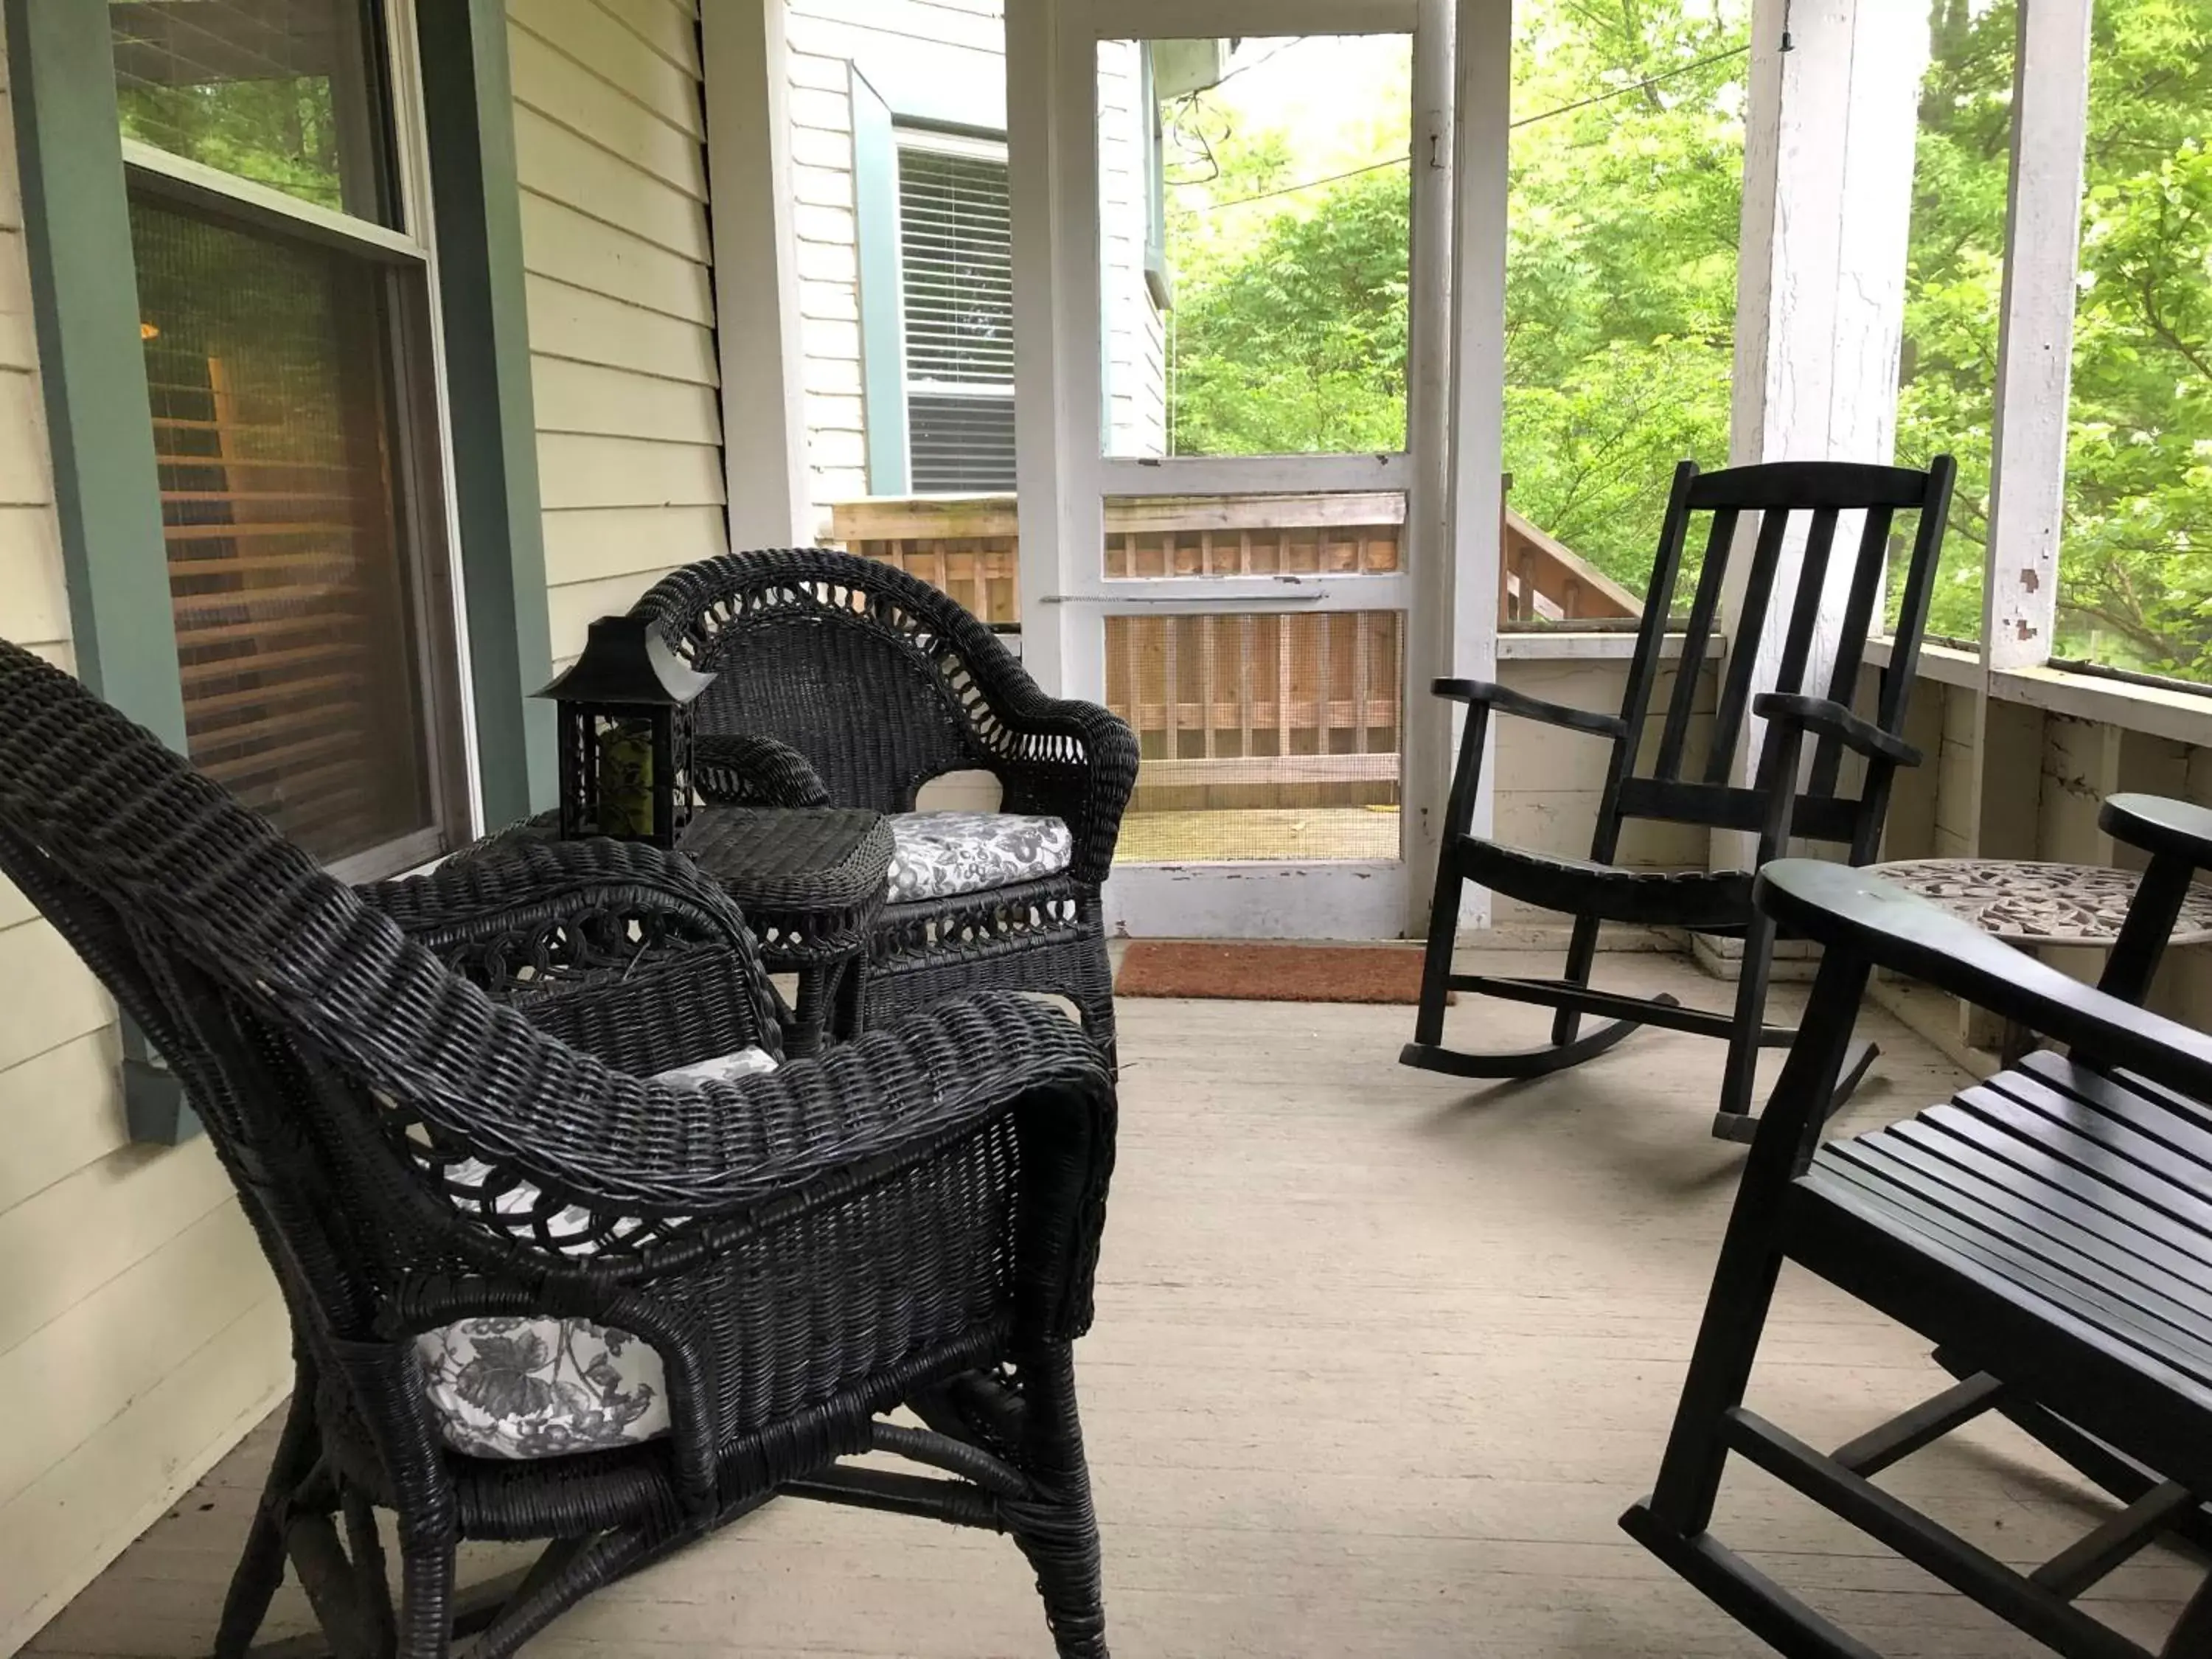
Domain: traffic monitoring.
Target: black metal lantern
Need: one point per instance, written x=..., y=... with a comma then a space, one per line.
x=625, y=720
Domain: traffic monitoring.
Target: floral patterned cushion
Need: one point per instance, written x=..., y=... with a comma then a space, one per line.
x=937, y=854
x=541, y=1387
x=518, y=1387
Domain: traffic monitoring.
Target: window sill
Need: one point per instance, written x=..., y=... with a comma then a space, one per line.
x=1597, y=645
x=2178, y=716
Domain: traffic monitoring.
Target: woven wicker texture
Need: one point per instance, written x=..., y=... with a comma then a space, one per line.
x=841, y=679
x=913, y=1220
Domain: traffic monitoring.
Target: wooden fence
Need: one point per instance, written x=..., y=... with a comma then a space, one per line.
x=1230, y=711
x=1240, y=710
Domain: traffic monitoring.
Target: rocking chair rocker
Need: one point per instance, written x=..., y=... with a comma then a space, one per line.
x=1776, y=807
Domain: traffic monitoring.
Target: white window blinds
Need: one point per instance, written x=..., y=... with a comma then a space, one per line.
x=956, y=282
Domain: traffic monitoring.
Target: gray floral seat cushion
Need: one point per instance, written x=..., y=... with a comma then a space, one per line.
x=937, y=854
x=519, y=1387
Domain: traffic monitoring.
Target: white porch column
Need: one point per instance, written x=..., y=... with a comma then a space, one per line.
x=1052, y=170
x=1827, y=205
x=756, y=274
x=1466, y=349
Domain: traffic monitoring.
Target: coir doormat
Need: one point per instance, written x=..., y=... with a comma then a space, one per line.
x=1271, y=973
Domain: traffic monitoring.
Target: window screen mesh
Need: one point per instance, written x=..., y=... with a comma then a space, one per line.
x=1268, y=736
x=271, y=425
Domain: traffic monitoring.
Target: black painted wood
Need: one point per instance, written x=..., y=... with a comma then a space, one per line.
x=1799, y=509
x=2048, y=1229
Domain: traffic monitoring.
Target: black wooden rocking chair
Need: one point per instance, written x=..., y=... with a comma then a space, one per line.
x=1778, y=807
x=2048, y=1229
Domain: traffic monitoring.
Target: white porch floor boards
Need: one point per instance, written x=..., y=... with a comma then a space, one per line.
x=1379, y=1358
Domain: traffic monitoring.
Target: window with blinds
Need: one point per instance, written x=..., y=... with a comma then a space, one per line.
x=957, y=286
x=292, y=428
x=271, y=418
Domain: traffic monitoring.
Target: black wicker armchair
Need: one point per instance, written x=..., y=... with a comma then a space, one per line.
x=843, y=681
x=911, y=1221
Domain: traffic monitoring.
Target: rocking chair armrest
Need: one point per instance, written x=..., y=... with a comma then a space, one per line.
x=741, y=769
x=1487, y=694
x=1852, y=910
x=2161, y=826
x=1828, y=718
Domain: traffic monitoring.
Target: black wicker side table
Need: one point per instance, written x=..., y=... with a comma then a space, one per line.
x=812, y=882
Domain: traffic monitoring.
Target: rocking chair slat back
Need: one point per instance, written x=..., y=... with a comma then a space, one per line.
x=1799, y=505
x=1665, y=569
x=1697, y=637
x=1751, y=621
x=1867, y=574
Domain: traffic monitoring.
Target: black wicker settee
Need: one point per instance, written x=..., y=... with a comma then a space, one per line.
x=439, y=1176
x=843, y=680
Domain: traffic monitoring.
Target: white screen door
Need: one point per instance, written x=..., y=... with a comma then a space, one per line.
x=1246, y=375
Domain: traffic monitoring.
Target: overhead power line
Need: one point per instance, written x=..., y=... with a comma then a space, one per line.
x=1634, y=86
x=1526, y=120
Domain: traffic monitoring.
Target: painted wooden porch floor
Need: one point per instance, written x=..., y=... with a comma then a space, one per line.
x=1379, y=1358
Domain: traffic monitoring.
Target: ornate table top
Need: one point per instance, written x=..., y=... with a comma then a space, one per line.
x=2024, y=903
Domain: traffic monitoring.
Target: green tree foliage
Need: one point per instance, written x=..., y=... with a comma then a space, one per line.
x=1621, y=262
x=1290, y=327
x=281, y=133
x=1621, y=293
x=1954, y=273
x=1301, y=345
x=2135, y=562
x=2135, y=569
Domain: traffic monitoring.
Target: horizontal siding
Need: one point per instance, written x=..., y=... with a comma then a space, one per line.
x=885, y=39
x=610, y=154
x=140, y=1332
x=592, y=545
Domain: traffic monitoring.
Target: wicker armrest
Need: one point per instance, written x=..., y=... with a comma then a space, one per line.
x=621, y=949
x=703, y=1167
x=1074, y=760
x=734, y=769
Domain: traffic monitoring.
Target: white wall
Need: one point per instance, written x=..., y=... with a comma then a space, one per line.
x=140, y=1332
x=912, y=52
x=608, y=135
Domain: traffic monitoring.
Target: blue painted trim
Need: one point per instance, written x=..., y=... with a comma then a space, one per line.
x=876, y=245
x=468, y=106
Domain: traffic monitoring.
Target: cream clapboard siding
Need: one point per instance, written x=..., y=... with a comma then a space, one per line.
x=962, y=43
x=610, y=133
x=140, y=1332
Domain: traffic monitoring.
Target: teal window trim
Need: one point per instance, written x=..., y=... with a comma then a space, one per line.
x=875, y=247
x=99, y=418
x=469, y=111
x=100, y=422
x=84, y=302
